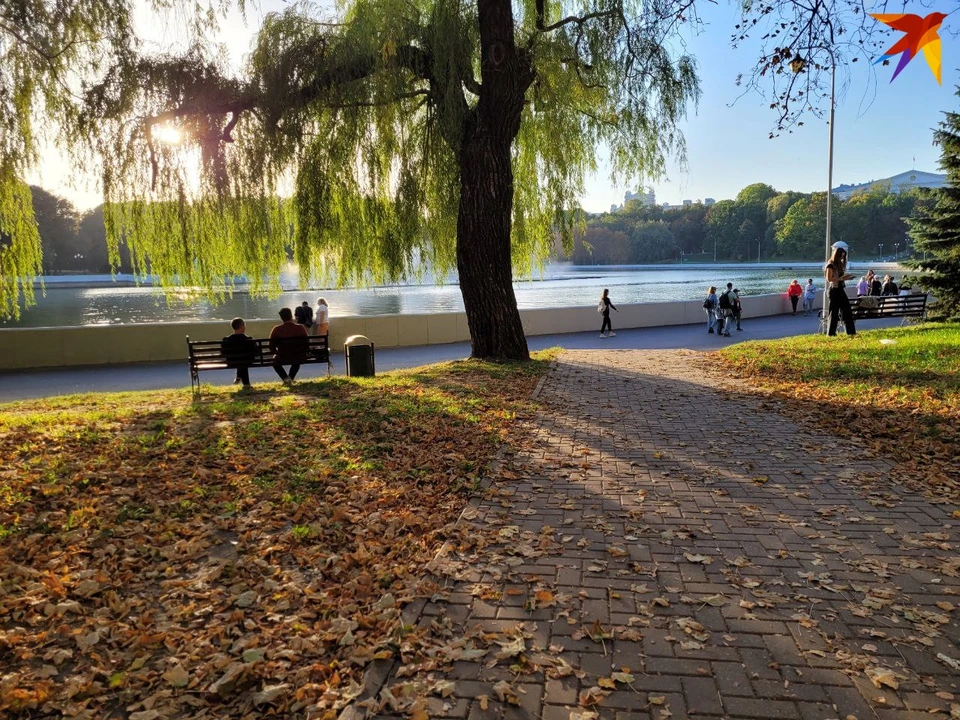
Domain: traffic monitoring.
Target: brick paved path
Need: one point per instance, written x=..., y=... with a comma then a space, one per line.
x=632, y=561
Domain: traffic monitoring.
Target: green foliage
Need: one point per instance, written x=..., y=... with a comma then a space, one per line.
x=790, y=225
x=20, y=253
x=47, y=52
x=363, y=120
x=57, y=222
x=935, y=230
x=802, y=231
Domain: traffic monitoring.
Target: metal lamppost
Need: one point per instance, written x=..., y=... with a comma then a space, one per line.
x=881, y=252
x=797, y=65
x=758, y=249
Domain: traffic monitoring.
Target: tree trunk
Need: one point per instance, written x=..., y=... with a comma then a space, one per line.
x=486, y=189
x=483, y=250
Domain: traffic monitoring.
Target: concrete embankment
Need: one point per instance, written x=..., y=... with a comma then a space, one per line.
x=28, y=348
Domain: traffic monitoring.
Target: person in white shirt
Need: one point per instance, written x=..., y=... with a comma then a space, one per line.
x=321, y=318
x=809, y=296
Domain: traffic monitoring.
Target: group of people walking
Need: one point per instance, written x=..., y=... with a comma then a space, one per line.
x=239, y=348
x=723, y=310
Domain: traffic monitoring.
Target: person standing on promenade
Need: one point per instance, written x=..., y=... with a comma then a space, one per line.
x=876, y=287
x=321, y=318
x=795, y=291
x=240, y=350
x=836, y=276
x=604, y=308
x=809, y=296
x=710, y=306
x=304, y=314
x=737, y=308
x=863, y=287
x=725, y=303
x=289, y=344
x=889, y=286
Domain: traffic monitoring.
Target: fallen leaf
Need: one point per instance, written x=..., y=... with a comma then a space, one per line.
x=177, y=676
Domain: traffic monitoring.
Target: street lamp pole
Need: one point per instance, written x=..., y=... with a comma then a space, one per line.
x=833, y=78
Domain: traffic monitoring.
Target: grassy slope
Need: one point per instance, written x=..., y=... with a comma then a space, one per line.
x=150, y=546
x=897, y=388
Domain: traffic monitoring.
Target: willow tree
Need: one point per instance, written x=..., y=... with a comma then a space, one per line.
x=455, y=135
x=47, y=49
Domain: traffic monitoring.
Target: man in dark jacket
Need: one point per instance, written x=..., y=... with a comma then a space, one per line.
x=240, y=350
x=304, y=315
x=289, y=343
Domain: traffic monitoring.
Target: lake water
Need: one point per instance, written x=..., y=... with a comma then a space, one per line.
x=561, y=286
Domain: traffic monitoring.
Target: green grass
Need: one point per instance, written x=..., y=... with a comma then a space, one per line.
x=919, y=358
x=896, y=390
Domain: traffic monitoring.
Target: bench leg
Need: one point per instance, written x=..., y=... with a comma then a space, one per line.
x=195, y=384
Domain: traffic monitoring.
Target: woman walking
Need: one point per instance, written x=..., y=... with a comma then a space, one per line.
x=794, y=291
x=710, y=306
x=836, y=275
x=604, y=308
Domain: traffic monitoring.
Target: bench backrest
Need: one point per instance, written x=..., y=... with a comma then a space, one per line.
x=896, y=306
x=210, y=353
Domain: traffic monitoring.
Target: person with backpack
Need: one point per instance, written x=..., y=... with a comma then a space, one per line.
x=604, y=309
x=710, y=307
x=726, y=304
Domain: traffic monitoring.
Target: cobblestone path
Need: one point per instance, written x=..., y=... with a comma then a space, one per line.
x=665, y=548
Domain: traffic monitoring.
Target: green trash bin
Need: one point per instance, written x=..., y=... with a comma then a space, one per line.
x=358, y=356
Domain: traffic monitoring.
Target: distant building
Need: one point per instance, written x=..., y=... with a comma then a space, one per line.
x=647, y=198
x=709, y=201
x=898, y=183
x=687, y=202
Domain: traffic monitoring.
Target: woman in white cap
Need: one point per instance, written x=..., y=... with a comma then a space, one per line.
x=836, y=276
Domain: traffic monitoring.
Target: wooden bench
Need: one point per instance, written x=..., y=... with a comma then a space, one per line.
x=209, y=355
x=912, y=308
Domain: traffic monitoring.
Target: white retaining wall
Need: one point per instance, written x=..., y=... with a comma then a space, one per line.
x=25, y=348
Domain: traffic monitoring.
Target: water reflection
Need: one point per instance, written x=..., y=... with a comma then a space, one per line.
x=561, y=286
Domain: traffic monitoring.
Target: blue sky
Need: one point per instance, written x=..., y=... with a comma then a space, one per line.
x=880, y=126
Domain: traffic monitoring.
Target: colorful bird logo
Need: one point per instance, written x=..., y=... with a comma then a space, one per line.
x=921, y=33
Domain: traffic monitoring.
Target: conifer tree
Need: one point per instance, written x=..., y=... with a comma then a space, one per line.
x=935, y=231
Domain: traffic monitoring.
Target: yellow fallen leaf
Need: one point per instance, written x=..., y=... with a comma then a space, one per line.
x=881, y=676
x=177, y=676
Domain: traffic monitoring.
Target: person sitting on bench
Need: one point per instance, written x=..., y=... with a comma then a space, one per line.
x=240, y=350
x=289, y=344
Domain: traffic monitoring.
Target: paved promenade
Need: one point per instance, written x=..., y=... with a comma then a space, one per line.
x=663, y=547
x=162, y=376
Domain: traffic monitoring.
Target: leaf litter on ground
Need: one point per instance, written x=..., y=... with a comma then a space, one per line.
x=243, y=554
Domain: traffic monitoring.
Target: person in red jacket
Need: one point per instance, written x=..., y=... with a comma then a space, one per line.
x=795, y=291
x=289, y=344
